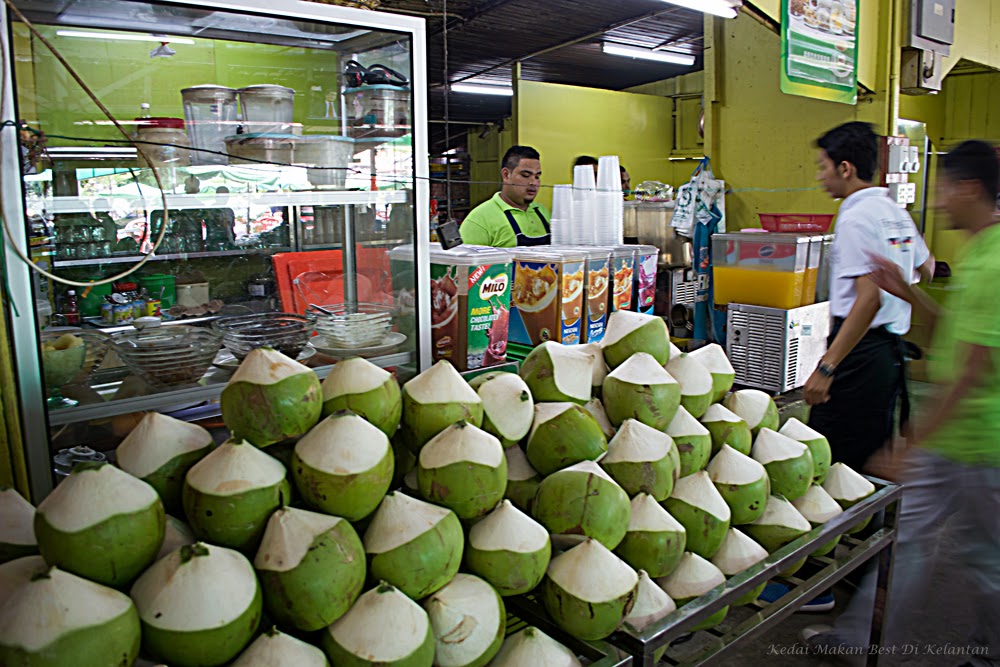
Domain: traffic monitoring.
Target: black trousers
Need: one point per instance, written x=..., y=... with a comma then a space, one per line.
x=859, y=418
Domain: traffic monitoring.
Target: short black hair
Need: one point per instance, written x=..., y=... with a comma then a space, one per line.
x=974, y=161
x=515, y=154
x=855, y=143
x=585, y=160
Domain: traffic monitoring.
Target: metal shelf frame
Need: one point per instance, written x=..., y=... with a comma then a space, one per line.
x=880, y=543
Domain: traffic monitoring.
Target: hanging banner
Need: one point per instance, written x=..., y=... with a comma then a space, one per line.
x=819, y=49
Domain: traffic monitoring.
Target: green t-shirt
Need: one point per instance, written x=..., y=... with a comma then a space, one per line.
x=487, y=224
x=971, y=317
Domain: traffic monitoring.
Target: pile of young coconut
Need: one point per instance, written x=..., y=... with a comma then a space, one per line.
x=355, y=522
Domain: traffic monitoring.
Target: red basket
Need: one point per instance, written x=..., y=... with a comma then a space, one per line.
x=794, y=222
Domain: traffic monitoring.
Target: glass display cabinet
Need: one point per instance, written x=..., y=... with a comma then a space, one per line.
x=264, y=160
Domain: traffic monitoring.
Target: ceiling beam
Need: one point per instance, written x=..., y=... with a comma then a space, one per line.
x=480, y=10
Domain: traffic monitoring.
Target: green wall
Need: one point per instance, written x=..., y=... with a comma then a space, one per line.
x=123, y=76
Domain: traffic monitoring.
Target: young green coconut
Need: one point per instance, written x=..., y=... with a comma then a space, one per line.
x=533, y=648
x=596, y=410
x=640, y=389
x=463, y=468
x=582, y=501
x=558, y=373
x=17, y=534
x=703, y=512
x=818, y=446
x=788, y=463
x=176, y=535
x=51, y=618
x=311, y=568
x=522, y=480
x=694, y=577
x=600, y=368
x=693, y=441
x=727, y=428
x=200, y=605
x=508, y=549
x=383, y=628
x=101, y=523
x=508, y=409
x=413, y=545
x=742, y=482
x=818, y=507
x=365, y=389
x=697, y=387
x=160, y=451
x=230, y=494
x=737, y=553
x=715, y=361
x=654, y=541
x=642, y=460
x=271, y=398
x=582, y=602
x=651, y=605
x=344, y=466
x=780, y=524
x=433, y=401
x=754, y=407
x=629, y=332
x=276, y=649
x=848, y=488
x=563, y=434
x=468, y=620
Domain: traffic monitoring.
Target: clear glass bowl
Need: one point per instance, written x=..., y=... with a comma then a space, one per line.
x=347, y=326
x=170, y=355
x=71, y=360
x=287, y=333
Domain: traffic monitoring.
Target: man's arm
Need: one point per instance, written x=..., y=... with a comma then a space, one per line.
x=854, y=328
x=978, y=366
x=889, y=278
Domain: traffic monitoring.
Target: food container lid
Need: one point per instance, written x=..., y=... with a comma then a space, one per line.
x=208, y=92
x=644, y=249
x=380, y=86
x=263, y=138
x=160, y=123
x=319, y=138
x=549, y=254
x=266, y=90
x=470, y=255
x=766, y=237
x=592, y=252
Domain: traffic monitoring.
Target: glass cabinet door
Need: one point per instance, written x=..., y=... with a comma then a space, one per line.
x=266, y=177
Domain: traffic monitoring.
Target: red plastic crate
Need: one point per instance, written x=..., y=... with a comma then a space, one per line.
x=796, y=222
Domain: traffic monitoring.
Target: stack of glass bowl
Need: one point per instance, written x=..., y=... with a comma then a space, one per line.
x=349, y=326
x=168, y=356
x=287, y=333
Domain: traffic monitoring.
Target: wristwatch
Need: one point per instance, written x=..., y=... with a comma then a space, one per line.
x=826, y=370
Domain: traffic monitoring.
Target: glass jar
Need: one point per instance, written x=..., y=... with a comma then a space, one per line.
x=168, y=144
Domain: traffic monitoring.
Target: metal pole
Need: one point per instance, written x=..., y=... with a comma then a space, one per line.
x=883, y=585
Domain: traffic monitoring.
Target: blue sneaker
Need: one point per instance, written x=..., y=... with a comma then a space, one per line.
x=821, y=603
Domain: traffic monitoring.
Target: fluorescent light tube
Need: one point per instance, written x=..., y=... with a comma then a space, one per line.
x=480, y=89
x=124, y=37
x=714, y=7
x=649, y=54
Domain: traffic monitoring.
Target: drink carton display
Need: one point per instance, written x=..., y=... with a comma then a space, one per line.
x=623, y=266
x=646, y=257
x=547, y=298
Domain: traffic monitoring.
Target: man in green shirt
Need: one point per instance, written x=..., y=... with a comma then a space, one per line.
x=952, y=476
x=511, y=217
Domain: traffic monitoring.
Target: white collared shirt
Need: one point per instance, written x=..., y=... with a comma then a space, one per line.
x=870, y=222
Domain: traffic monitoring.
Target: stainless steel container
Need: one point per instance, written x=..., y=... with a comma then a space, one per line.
x=652, y=222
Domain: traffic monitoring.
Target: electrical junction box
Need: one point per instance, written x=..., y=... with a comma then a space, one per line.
x=921, y=72
x=931, y=25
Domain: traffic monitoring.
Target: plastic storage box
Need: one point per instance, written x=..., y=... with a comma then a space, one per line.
x=546, y=301
x=378, y=111
x=760, y=269
x=598, y=274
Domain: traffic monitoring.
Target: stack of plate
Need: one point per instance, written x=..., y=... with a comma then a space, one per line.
x=354, y=326
x=287, y=333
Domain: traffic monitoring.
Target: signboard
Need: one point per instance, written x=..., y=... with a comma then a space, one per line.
x=819, y=49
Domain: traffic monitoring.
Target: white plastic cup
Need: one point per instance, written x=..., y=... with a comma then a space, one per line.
x=562, y=202
x=609, y=176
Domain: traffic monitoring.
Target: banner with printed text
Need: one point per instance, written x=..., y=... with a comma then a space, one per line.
x=819, y=49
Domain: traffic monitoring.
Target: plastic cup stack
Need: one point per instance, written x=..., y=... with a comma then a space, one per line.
x=609, y=228
x=563, y=223
x=584, y=206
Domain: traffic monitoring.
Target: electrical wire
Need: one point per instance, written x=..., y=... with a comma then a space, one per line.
x=156, y=175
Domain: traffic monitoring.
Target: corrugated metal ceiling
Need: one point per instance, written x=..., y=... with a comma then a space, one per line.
x=557, y=41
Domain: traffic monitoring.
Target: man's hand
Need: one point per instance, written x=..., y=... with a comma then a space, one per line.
x=817, y=389
x=888, y=276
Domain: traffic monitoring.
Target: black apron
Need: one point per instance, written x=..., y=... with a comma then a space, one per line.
x=859, y=419
x=523, y=240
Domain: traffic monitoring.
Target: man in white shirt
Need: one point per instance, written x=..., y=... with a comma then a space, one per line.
x=855, y=388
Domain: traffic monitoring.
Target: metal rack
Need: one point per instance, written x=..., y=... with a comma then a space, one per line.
x=641, y=646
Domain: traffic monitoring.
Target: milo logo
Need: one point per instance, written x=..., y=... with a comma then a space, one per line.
x=494, y=287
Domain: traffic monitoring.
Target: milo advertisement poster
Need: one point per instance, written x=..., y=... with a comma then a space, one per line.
x=470, y=311
x=547, y=302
